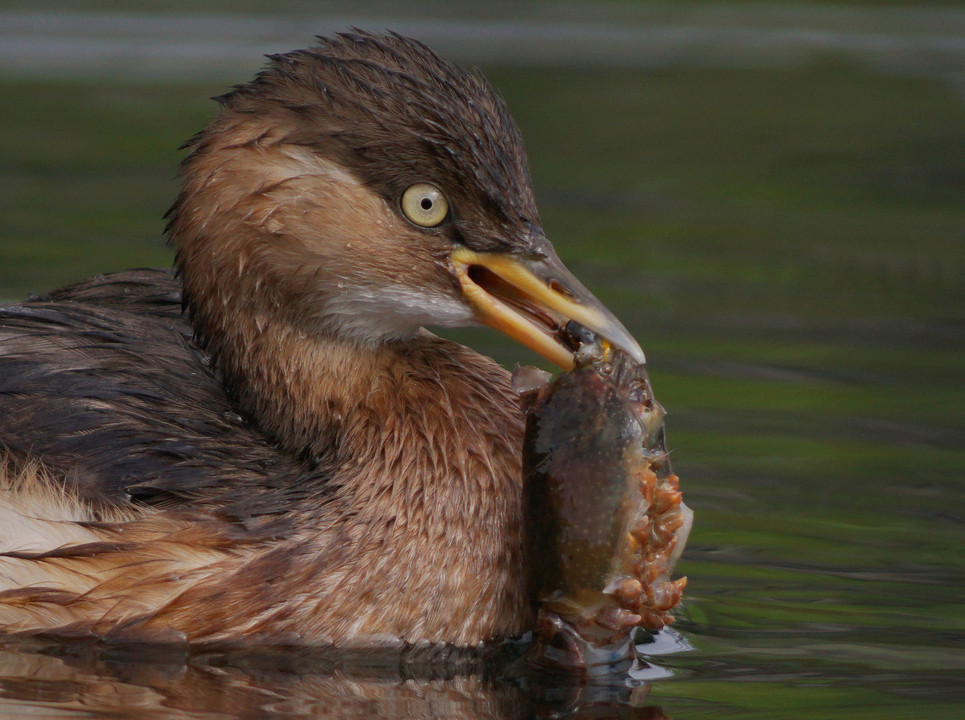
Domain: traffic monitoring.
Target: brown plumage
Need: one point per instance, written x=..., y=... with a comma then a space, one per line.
x=293, y=458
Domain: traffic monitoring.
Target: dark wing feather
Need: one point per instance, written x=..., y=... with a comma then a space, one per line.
x=103, y=384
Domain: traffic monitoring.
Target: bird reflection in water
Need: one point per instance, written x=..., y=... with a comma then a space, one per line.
x=146, y=682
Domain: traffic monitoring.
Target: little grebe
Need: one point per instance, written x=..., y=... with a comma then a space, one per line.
x=296, y=460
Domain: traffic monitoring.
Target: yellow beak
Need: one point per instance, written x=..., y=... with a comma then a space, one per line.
x=531, y=300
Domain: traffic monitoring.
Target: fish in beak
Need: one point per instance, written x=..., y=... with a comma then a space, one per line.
x=531, y=299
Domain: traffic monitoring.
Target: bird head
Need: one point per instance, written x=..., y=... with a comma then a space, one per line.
x=366, y=187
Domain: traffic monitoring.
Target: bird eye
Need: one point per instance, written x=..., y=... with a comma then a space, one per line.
x=425, y=205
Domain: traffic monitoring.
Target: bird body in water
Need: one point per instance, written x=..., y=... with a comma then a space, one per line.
x=266, y=444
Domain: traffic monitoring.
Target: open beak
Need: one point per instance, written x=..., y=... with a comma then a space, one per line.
x=531, y=300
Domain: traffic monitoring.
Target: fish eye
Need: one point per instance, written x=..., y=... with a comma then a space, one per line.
x=424, y=205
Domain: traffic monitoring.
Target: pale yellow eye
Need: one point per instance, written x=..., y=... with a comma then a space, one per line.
x=425, y=205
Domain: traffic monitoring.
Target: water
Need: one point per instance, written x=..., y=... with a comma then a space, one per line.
x=786, y=242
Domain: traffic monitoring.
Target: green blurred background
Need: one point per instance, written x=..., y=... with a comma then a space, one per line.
x=770, y=196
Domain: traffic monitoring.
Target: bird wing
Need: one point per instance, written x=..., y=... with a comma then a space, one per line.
x=102, y=383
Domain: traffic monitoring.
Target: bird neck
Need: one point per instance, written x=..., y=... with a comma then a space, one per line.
x=422, y=411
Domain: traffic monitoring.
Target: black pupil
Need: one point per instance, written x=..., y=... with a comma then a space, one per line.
x=426, y=203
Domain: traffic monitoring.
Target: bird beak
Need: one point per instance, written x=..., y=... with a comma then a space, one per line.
x=531, y=300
